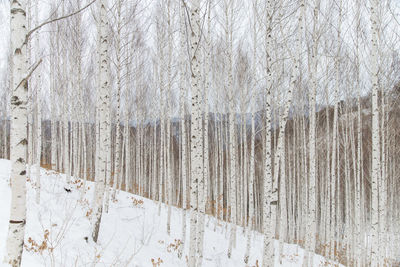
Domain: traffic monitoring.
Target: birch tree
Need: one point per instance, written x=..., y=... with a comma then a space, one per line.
x=118, y=48
x=203, y=183
x=196, y=151
x=253, y=134
x=38, y=108
x=312, y=205
x=18, y=142
x=182, y=79
x=333, y=168
x=358, y=212
x=104, y=103
x=376, y=164
x=268, y=230
x=228, y=13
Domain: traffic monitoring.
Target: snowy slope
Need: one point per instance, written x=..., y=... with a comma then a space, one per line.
x=131, y=234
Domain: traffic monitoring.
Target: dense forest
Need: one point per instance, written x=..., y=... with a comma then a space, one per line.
x=279, y=118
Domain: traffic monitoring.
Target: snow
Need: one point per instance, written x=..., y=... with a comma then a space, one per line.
x=131, y=233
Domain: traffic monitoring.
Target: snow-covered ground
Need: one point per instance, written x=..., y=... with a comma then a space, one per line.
x=131, y=233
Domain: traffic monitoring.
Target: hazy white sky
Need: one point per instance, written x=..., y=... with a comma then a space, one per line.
x=240, y=29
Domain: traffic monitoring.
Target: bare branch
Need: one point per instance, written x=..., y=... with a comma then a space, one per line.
x=30, y=73
x=57, y=19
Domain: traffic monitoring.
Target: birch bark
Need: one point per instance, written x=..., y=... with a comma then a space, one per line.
x=334, y=178
x=182, y=124
x=267, y=224
x=232, y=119
x=38, y=109
x=312, y=201
x=376, y=160
x=196, y=153
x=117, y=172
x=104, y=98
x=18, y=135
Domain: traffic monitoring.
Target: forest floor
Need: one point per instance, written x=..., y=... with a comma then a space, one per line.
x=131, y=233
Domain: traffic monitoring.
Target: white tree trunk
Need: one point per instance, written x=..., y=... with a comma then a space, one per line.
x=127, y=142
x=30, y=102
x=104, y=98
x=376, y=160
x=203, y=183
x=253, y=136
x=268, y=221
x=117, y=172
x=358, y=212
x=169, y=180
x=182, y=83
x=38, y=110
x=18, y=135
x=196, y=153
x=312, y=201
x=232, y=136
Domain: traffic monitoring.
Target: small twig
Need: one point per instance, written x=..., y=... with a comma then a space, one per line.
x=30, y=73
